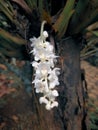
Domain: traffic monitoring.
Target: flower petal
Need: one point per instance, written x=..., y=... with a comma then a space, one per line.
x=54, y=104
x=43, y=100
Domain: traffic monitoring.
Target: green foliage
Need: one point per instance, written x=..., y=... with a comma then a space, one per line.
x=94, y=118
x=95, y=33
x=91, y=35
x=80, y=8
x=62, y=22
x=7, y=9
x=14, y=39
x=90, y=49
x=86, y=13
x=21, y=19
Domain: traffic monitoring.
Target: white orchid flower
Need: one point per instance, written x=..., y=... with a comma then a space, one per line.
x=46, y=75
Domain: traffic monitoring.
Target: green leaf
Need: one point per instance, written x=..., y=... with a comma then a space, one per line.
x=79, y=10
x=9, y=37
x=7, y=45
x=64, y=25
x=23, y=4
x=9, y=12
x=88, y=54
x=40, y=7
x=95, y=33
x=32, y=3
x=62, y=22
x=93, y=126
x=86, y=13
x=90, y=44
x=4, y=8
x=11, y=53
x=92, y=27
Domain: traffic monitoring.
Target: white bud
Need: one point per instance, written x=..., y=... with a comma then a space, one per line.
x=45, y=34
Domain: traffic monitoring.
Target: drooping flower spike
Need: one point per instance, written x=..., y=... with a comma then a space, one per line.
x=46, y=75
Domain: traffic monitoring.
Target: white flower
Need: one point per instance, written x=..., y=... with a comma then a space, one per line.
x=36, y=42
x=54, y=104
x=55, y=93
x=39, y=86
x=51, y=95
x=46, y=75
x=48, y=106
x=43, y=100
x=35, y=64
x=43, y=69
x=53, y=84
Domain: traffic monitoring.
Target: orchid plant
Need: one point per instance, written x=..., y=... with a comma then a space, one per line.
x=46, y=74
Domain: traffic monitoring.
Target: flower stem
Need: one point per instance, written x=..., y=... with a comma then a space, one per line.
x=42, y=29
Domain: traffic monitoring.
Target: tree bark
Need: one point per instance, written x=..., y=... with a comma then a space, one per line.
x=22, y=113
x=71, y=101
x=70, y=114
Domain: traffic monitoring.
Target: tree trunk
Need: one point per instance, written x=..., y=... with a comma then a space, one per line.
x=18, y=113
x=70, y=115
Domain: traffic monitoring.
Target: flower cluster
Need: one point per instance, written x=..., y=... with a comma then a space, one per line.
x=46, y=75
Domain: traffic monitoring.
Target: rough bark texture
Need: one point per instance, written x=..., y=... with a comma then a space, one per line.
x=71, y=101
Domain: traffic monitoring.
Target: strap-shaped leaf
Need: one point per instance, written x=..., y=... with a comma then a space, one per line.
x=23, y=4
x=12, y=53
x=79, y=10
x=40, y=7
x=6, y=35
x=8, y=45
x=64, y=25
x=95, y=33
x=86, y=13
x=62, y=22
x=92, y=26
x=32, y=3
x=4, y=8
x=8, y=10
